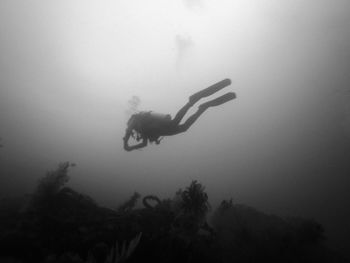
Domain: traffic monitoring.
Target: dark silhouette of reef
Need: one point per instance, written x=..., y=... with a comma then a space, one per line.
x=58, y=224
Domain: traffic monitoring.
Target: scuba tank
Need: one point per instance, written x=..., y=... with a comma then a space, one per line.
x=146, y=123
x=160, y=117
x=147, y=117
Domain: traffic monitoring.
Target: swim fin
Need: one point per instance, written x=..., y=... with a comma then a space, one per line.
x=218, y=101
x=210, y=90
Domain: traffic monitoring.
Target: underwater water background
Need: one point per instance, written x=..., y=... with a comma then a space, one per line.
x=68, y=70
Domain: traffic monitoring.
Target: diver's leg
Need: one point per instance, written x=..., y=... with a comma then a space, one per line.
x=202, y=108
x=197, y=96
x=181, y=113
x=218, y=101
x=210, y=90
x=187, y=124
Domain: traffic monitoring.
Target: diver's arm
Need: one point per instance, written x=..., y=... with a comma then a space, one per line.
x=137, y=146
x=133, y=147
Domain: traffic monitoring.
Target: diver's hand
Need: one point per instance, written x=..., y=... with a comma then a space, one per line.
x=134, y=147
x=126, y=145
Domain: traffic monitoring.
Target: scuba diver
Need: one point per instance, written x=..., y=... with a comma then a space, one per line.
x=150, y=126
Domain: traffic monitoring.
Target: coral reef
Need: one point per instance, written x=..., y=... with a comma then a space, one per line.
x=62, y=225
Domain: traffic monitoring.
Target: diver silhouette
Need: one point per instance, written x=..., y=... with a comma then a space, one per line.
x=150, y=126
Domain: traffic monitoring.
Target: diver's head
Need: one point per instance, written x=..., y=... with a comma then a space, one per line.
x=135, y=121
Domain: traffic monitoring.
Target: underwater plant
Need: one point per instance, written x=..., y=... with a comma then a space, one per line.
x=129, y=204
x=190, y=207
x=119, y=253
x=195, y=200
x=225, y=205
x=51, y=184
